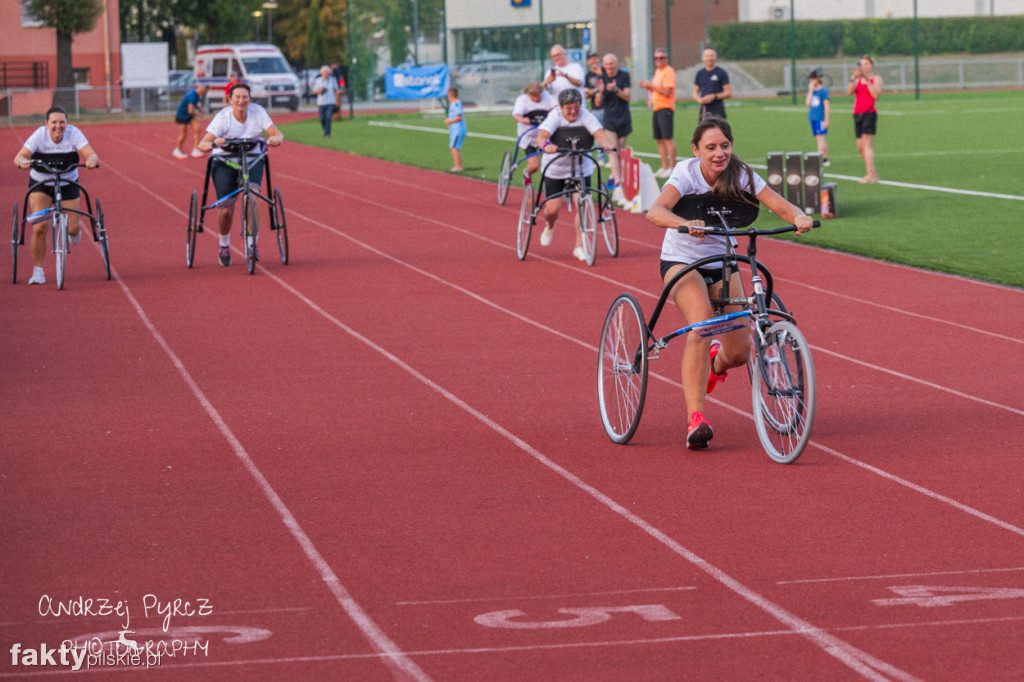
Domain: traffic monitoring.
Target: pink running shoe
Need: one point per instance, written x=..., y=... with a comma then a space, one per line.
x=698, y=432
x=714, y=377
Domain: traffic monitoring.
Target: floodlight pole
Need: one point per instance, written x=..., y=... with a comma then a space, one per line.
x=792, y=49
x=917, y=54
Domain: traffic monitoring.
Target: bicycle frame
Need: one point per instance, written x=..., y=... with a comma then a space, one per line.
x=575, y=183
x=244, y=184
x=58, y=205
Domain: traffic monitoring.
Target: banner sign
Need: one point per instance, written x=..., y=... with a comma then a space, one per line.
x=520, y=3
x=418, y=82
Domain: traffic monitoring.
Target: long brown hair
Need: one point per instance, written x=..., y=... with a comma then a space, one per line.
x=727, y=186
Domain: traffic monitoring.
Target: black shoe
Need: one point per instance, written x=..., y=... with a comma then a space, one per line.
x=225, y=256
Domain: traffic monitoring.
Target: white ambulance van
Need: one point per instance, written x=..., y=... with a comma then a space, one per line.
x=261, y=65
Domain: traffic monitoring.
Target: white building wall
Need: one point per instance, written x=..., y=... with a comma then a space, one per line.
x=818, y=10
x=489, y=13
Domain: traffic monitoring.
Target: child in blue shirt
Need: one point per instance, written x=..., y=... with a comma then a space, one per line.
x=818, y=110
x=456, y=123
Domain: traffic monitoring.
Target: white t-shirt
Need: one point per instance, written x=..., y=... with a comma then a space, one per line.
x=225, y=125
x=681, y=247
x=40, y=141
x=329, y=85
x=562, y=83
x=525, y=106
x=561, y=168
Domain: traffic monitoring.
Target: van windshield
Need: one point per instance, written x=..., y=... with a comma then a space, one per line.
x=263, y=65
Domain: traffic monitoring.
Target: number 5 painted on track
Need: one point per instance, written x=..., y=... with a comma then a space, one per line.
x=589, y=615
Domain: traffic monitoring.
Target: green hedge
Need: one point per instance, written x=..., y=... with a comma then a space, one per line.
x=877, y=37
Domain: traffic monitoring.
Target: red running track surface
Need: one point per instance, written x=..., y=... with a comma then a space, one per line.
x=385, y=460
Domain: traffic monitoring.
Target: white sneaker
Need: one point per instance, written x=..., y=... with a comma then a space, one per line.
x=178, y=154
x=578, y=252
x=75, y=238
x=196, y=153
x=38, y=276
x=618, y=196
x=660, y=173
x=545, y=236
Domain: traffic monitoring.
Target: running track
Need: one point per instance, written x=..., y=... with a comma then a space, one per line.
x=385, y=461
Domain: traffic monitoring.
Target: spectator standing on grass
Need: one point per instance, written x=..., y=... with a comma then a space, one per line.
x=613, y=92
x=866, y=87
x=339, y=80
x=187, y=117
x=819, y=108
x=662, y=87
x=325, y=87
x=563, y=74
x=590, y=81
x=711, y=86
x=457, y=130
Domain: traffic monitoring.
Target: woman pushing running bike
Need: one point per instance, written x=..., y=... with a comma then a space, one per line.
x=242, y=118
x=714, y=172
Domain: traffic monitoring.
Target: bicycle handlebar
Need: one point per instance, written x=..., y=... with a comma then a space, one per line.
x=41, y=165
x=748, y=232
x=243, y=143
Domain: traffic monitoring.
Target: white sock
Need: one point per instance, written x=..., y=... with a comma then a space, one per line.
x=225, y=240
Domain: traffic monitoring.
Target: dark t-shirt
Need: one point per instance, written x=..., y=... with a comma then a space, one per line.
x=616, y=109
x=712, y=82
x=588, y=82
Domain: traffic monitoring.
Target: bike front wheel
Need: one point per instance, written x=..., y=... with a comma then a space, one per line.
x=504, y=177
x=15, y=241
x=280, y=226
x=525, y=226
x=588, y=226
x=101, y=237
x=193, y=229
x=622, y=368
x=250, y=231
x=60, y=246
x=784, y=391
x=610, y=227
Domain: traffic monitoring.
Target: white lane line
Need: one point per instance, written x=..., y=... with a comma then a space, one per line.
x=543, y=597
x=891, y=576
x=893, y=183
x=402, y=667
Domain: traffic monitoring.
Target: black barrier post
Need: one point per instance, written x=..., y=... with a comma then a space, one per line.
x=812, y=182
x=774, y=160
x=794, y=178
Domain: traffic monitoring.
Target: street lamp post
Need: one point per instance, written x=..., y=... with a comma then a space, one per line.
x=256, y=24
x=270, y=7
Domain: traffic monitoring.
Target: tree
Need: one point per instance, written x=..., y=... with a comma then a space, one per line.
x=68, y=17
x=316, y=41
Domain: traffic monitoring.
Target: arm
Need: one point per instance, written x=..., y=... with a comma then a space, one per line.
x=274, y=136
x=785, y=210
x=828, y=109
x=91, y=160
x=696, y=94
x=726, y=92
x=661, y=213
x=810, y=94
x=23, y=159
x=875, y=87
x=851, y=86
x=543, y=139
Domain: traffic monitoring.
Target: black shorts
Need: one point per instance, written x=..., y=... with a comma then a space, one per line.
x=183, y=120
x=620, y=128
x=553, y=186
x=225, y=178
x=67, y=190
x=663, y=124
x=866, y=123
x=710, y=275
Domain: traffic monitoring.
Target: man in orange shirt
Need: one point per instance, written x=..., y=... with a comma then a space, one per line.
x=663, y=99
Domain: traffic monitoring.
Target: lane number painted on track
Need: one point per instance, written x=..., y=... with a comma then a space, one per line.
x=581, y=617
x=939, y=595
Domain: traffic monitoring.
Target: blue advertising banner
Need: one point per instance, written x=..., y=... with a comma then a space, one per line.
x=418, y=82
x=520, y=3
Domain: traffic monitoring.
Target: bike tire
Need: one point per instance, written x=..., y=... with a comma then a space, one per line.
x=622, y=369
x=250, y=231
x=101, y=237
x=504, y=177
x=193, y=229
x=588, y=226
x=784, y=392
x=280, y=226
x=525, y=227
x=610, y=228
x=60, y=246
x=15, y=241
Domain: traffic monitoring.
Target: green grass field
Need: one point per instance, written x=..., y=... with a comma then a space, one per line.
x=939, y=150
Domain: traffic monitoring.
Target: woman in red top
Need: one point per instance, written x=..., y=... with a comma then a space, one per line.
x=867, y=87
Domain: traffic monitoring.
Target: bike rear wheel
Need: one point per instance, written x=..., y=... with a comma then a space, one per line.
x=101, y=237
x=15, y=241
x=588, y=226
x=784, y=392
x=60, y=246
x=504, y=177
x=193, y=229
x=525, y=227
x=250, y=231
x=622, y=369
x=610, y=227
x=280, y=226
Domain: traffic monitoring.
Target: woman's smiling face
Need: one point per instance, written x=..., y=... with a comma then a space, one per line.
x=714, y=151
